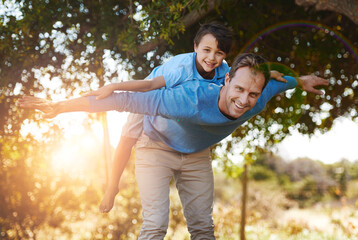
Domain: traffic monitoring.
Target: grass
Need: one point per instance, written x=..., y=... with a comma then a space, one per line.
x=270, y=216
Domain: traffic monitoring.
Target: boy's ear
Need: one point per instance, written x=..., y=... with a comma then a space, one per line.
x=195, y=47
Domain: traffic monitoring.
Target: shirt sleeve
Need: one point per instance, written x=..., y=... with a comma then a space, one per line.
x=275, y=87
x=176, y=75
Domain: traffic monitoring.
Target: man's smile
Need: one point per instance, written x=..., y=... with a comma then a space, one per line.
x=239, y=106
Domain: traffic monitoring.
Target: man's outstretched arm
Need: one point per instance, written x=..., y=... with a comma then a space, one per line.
x=309, y=82
x=52, y=109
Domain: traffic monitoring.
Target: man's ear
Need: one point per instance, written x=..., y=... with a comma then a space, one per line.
x=227, y=78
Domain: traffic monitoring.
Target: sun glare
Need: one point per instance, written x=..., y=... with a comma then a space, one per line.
x=83, y=149
x=77, y=156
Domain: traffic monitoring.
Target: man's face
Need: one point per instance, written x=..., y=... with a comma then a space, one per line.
x=208, y=55
x=241, y=93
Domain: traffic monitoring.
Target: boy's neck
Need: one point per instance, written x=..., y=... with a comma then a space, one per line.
x=201, y=71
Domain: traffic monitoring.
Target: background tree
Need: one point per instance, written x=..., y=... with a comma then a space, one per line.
x=72, y=43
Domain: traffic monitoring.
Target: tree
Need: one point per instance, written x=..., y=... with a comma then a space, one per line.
x=347, y=7
x=71, y=43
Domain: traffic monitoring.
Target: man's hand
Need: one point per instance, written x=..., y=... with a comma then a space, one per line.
x=102, y=92
x=277, y=75
x=47, y=107
x=309, y=82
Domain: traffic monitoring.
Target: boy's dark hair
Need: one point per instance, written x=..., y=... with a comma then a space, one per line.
x=251, y=60
x=220, y=32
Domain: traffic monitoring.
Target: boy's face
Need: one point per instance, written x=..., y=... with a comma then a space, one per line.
x=241, y=93
x=208, y=55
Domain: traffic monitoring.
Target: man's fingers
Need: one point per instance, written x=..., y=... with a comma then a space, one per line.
x=28, y=100
x=315, y=91
x=324, y=81
x=320, y=81
x=31, y=99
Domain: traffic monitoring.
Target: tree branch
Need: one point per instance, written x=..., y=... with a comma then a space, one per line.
x=188, y=20
x=349, y=8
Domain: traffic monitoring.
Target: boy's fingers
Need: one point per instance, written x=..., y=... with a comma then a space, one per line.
x=101, y=96
x=93, y=93
x=282, y=79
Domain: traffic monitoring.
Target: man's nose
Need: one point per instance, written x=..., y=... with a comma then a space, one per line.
x=244, y=98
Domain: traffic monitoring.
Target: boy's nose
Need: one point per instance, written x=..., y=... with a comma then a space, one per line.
x=211, y=56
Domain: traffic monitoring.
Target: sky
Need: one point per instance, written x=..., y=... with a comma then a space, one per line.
x=340, y=142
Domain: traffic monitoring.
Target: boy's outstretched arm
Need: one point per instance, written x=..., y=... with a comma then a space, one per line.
x=133, y=85
x=120, y=160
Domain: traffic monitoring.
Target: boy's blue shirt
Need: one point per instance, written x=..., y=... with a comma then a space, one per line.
x=182, y=67
x=191, y=120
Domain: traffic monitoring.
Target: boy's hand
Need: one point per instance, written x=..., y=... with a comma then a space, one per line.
x=308, y=82
x=277, y=75
x=102, y=92
x=47, y=107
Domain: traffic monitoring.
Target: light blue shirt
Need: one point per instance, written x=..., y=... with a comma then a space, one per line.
x=182, y=67
x=191, y=120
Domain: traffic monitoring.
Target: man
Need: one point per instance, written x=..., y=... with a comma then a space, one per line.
x=194, y=116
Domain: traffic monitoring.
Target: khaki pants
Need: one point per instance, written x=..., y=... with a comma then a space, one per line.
x=155, y=165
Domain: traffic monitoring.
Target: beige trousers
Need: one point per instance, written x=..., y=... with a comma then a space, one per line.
x=155, y=165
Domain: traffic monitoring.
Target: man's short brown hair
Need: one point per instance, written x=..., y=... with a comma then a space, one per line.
x=251, y=60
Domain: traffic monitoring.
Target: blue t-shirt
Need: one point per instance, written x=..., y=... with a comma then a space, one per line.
x=182, y=67
x=191, y=120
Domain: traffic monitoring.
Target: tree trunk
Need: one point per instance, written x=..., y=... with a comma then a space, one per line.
x=190, y=19
x=244, y=201
x=349, y=8
x=106, y=146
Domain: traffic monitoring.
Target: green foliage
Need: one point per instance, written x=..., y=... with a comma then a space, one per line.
x=305, y=192
x=69, y=42
x=260, y=173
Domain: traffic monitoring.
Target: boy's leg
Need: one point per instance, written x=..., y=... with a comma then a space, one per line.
x=131, y=131
x=154, y=166
x=120, y=160
x=195, y=184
